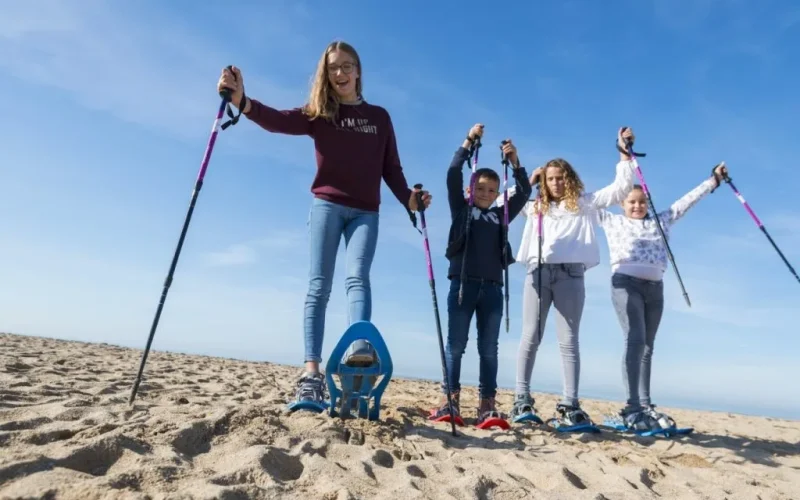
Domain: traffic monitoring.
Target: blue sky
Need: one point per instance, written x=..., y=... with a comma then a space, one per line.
x=108, y=107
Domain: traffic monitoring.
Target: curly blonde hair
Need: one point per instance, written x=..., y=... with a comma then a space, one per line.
x=573, y=188
x=323, y=102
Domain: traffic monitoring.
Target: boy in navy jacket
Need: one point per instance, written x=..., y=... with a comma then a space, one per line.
x=483, y=285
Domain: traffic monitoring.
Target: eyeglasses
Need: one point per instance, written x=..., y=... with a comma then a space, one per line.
x=346, y=68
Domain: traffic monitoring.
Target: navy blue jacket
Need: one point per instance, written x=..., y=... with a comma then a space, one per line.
x=485, y=252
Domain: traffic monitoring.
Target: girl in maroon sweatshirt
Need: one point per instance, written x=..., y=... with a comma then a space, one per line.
x=355, y=148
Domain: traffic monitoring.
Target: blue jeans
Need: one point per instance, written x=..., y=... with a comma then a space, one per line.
x=327, y=223
x=485, y=300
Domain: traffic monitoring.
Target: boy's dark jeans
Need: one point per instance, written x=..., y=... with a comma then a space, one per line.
x=484, y=299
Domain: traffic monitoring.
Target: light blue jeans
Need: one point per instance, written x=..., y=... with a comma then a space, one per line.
x=327, y=223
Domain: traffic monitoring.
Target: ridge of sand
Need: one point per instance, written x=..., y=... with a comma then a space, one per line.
x=206, y=427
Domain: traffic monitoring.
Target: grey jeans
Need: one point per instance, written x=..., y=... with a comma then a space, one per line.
x=639, y=304
x=562, y=286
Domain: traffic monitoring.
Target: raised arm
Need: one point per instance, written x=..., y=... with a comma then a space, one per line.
x=455, y=174
x=519, y=187
x=678, y=209
x=615, y=192
x=522, y=186
x=604, y=217
x=290, y=122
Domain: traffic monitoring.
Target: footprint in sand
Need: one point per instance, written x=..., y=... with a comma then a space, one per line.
x=687, y=460
x=21, y=425
x=573, y=479
x=415, y=471
x=17, y=367
x=46, y=437
x=383, y=458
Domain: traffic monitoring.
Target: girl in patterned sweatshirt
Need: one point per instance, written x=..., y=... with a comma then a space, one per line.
x=638, y=261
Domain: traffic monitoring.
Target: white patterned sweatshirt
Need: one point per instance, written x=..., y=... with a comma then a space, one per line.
x=635, y=245
x=569, y=237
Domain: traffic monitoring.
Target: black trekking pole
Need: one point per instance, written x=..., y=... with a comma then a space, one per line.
x=504, y=160
x=432, y=281
x=225, y=94
x=629, y=151
x=463, y=277
x=540, y=261
x=758, y=222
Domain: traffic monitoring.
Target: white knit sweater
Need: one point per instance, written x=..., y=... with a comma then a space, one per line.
x=635, y=245
x=569, y=237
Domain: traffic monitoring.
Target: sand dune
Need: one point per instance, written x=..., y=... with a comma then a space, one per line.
x=207, y=427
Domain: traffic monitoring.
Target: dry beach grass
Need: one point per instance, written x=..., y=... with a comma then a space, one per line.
x=206, y=427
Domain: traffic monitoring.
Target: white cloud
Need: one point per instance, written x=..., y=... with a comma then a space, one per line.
x=160, y=74
x=234, y=255
x=291, y=242
x=105, y=62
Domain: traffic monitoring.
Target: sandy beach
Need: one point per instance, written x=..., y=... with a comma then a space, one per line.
x=206, y=427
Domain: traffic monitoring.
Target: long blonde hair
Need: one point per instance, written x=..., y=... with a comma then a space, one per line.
x=573, y=187
x=323, y=102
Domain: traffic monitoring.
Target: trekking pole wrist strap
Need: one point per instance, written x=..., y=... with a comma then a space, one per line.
x=629, y=151
x=234, y=119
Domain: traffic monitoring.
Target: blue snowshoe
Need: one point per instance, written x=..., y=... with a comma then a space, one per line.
x=667, y=424
x=645, y=422
x=524, y=411
x=572, y=419
x=311, y=394
x=362, y=363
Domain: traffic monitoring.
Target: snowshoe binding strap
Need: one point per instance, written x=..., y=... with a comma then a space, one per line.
x=664, y=421
x=572, y=416
x=522, y=405
x=444, y=411
x=311, y=394
x=524, y=410
x=640, y=421
x=521, y=409
x=226, y=95
x=311, y=387
x=489, y=417
x=489, y=414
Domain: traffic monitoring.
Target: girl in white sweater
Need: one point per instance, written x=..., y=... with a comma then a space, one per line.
x=638, y=262
x=569, y=248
